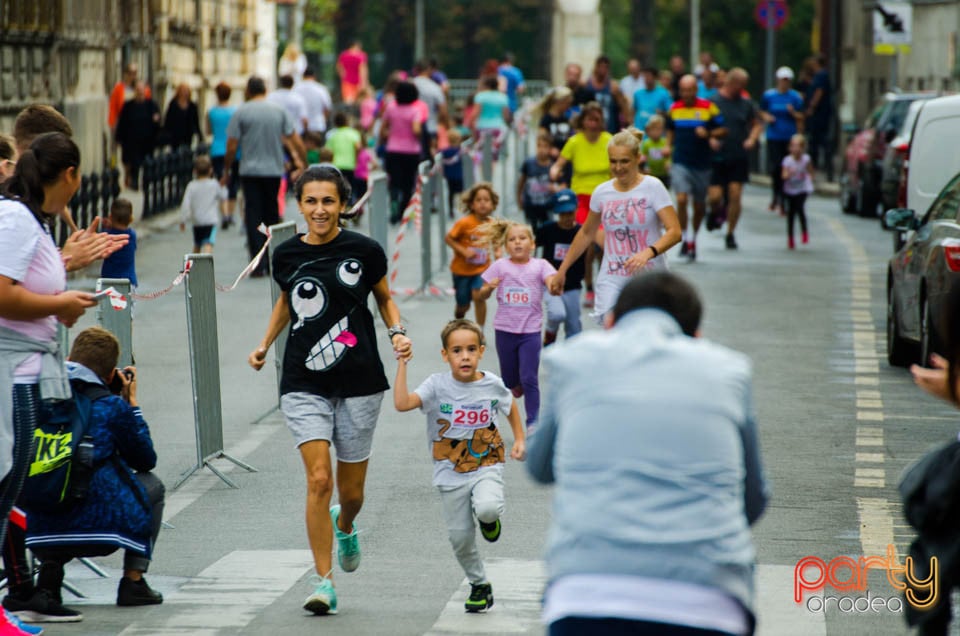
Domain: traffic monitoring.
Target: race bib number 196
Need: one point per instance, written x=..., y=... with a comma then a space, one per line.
x=516, y=296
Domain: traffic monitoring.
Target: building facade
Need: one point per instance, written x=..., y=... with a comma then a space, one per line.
x=70, y=53
x=930, y=65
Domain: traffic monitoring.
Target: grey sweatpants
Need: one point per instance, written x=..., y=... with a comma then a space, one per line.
x=482, y=497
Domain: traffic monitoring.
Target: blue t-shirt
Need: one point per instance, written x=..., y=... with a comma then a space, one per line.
x=514, y=79
x=706, y=93
x=491, y=104
x=775, y=103
x=452, y=164
x=122, y=263
x=219, y=117
x=648, y=102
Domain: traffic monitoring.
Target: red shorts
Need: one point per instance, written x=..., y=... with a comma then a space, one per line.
x=583, y=208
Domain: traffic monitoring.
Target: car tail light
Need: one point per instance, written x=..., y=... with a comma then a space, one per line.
x=903, y=148
x=951, y=254
x=904, y=175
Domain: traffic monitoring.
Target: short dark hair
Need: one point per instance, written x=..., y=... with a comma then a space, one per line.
x=286, y=81
x=491, y=82
x=650, y=69
x=309, y=72
x=340, y=119
x=406, y=93
x=37, y=119
x=121, y=211
x=203, y=166
x=459, y=324
x=223, y=91
x=256, y=86
x=603, y=59
x=665, y=291
x=97, y=349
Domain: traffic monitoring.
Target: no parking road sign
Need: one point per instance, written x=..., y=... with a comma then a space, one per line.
x=771, y=13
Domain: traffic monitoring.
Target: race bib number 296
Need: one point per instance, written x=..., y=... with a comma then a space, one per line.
x=471, y=416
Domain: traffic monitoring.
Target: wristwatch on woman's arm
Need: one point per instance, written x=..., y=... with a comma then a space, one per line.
x=396, y=330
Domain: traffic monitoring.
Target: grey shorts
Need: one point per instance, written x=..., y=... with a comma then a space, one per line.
x=690, y=181
x=347, y=423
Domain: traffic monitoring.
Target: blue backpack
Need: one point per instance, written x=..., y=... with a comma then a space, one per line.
x=62, y=462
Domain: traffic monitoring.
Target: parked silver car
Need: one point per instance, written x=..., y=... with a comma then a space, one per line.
x=919, y=275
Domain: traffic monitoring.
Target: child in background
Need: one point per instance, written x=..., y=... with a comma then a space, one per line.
x=313, y=141
x=470, y=256
x=368, y=108
x=324, y=159
x=555, y=238
x=797, y=184
x=201, y=201
x=443, y=132
x=346, y=143
x=520, y=281
x=122, y=263
x=366, y=163
x=534, y=188
x=462, y=405
x=453, y=167
x=656, y=148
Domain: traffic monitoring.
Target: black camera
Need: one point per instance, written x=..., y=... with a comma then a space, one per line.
x=116, y=384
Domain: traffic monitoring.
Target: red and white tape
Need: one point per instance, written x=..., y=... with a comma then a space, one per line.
x=412, y=211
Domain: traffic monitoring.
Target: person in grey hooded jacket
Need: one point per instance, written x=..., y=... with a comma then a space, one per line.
x=648, y=433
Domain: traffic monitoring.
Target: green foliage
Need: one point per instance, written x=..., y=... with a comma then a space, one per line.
x=318, y=31
x=727, y=29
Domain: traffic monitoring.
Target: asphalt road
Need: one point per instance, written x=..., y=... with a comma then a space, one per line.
x=837, y=427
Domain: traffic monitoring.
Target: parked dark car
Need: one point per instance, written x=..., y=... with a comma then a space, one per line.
x=919, y=275
x=863, y=156
x=893, y=178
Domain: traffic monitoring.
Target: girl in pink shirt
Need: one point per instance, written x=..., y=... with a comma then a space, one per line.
x=520, y=281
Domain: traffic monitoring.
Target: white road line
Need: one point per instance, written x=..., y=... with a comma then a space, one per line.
x=869, y=458
x=876, y=525
x=517, y=592
x=870, y=416
x=204, y=480
x=777, y=613
x=239, y=586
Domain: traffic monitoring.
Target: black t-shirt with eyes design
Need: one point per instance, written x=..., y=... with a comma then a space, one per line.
x=332, y=345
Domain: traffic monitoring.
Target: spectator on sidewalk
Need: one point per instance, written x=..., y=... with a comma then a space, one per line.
x=263, y=129
x=124, y=504
x=137, y=131
x=82, y=247
x=182, y=121
x=819, y=116
x=651, y=516
x=123, y=91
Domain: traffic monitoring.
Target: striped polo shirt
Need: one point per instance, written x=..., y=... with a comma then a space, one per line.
x=688, y=149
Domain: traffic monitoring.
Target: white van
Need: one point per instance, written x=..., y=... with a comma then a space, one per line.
x=934, y=156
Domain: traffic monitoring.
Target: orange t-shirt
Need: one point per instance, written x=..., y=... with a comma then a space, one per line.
x=463, y=233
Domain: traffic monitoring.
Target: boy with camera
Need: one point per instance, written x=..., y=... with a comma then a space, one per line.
x=122, y=508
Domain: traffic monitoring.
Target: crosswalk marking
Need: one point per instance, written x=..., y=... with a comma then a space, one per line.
x=518, y=586
x=239, y=586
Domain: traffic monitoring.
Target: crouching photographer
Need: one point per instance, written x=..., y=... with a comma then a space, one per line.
x=117, y=504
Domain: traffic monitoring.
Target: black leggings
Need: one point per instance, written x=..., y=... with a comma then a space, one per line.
x=402, y=169
x=776, y=151
x=26, y=413
x=260, y=206
x=587, y=626
x=794, y=205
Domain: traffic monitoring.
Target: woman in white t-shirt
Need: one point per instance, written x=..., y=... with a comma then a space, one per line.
x=33, y=299
x=639, y=223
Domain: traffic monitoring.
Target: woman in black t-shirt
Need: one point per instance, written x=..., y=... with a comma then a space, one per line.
x=332, y=381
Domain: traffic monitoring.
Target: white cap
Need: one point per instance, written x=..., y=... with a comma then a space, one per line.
x=784, y=72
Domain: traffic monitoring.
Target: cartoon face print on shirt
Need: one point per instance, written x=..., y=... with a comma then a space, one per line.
x=310, y=303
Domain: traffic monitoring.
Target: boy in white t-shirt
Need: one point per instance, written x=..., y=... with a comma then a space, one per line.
x=468, y=452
